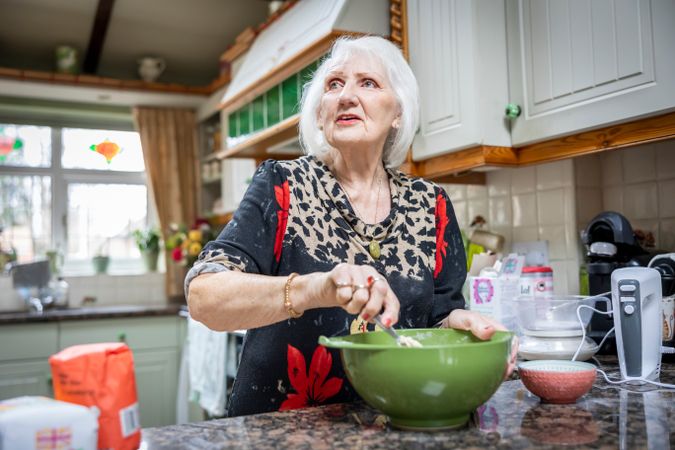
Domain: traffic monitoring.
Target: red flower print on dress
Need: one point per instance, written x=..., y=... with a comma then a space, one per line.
x=441, y=223
x=283, y=197
x=311, y=388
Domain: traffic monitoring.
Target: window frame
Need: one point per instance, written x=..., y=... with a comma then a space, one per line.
x=61, y=177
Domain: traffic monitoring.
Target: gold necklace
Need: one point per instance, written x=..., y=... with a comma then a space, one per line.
x=373, y=245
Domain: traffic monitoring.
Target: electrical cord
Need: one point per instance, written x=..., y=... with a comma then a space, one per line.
x=628, y=379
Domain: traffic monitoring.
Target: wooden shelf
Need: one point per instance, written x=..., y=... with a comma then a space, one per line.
x=256, y=146
x=112, y=83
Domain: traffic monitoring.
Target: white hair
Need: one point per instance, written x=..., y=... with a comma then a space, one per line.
x=400, y=77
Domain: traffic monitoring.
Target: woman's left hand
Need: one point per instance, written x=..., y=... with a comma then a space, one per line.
x=482, y=327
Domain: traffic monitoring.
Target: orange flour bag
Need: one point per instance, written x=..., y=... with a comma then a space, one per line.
x=101, y=375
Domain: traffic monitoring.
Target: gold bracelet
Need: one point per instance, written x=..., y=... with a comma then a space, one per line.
x=287, y=300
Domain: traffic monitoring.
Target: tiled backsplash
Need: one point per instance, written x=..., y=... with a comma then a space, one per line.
x=146, y=289
x=638, y=182
x=555, y=201
x=528, y=204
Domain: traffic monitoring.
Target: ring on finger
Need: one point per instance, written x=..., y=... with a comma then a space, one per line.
x=356, y=287
x=341, y=284
x=372, y=280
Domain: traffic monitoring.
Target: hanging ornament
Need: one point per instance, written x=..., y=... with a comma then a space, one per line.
x=106, y=148
x=7, y=144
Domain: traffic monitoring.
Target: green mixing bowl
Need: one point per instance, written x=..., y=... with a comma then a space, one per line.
x=433, y=387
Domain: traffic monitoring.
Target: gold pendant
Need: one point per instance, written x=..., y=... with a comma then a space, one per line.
x=374, y=249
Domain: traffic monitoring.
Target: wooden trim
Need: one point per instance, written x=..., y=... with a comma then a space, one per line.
x=256, y=146
x=280, y=72
x=608, y=138
x=398, y=21
x=463, y=160
x=477, y=178
x=97, y=37
x=105, y=82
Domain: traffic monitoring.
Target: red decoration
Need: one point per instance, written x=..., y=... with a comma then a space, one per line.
x=312, y=388
x=283, y=197
x=441, y=223
x=106, y=148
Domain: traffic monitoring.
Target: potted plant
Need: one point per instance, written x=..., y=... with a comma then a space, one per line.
x=148, y=243
x=101, y=260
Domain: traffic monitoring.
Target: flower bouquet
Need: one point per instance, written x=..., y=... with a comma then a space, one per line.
x=185, y=244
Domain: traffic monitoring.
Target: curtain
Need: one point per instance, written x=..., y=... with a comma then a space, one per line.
x=169, y=140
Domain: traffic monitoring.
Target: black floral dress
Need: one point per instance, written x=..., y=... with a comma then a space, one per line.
x=295, y=217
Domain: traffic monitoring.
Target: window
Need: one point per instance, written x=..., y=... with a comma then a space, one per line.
x=56, y=193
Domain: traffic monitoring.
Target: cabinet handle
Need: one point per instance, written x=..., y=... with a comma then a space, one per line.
x=512, y=111
x=122, y=337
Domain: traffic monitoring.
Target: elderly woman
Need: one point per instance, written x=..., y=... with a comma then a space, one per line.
x=322, y=244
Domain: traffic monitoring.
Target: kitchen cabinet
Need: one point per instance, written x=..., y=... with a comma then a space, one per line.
x=155, y=342
x=24, y=369
x=569, y=65
x=458, y=53
x=575, y=65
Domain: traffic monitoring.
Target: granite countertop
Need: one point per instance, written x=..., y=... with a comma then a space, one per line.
x=606, y=417
x=85, y=313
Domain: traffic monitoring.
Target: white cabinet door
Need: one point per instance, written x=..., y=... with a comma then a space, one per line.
x=458, y=54
x=31, y=377
x=575, y=65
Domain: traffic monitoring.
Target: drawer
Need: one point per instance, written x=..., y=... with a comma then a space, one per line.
x=139, y=333
x=26, y=341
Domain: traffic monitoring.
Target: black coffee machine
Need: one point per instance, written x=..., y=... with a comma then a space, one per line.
x=610, y=243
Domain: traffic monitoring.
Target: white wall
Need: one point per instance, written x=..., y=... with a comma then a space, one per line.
x=145, y=289
x=529, y=204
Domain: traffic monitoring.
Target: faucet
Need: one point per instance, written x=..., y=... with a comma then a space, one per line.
x=35, y=305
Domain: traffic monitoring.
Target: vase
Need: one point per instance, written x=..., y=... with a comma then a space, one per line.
x=150, y=258
x=100, y=264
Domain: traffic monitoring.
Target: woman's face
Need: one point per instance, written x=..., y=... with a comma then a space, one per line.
x=358, y=106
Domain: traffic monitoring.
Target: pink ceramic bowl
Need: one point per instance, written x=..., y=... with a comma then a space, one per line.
x=555, y=381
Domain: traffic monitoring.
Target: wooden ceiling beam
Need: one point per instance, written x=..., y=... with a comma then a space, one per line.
x=97, y=37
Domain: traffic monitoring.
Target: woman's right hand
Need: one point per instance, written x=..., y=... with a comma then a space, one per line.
x=359, y=290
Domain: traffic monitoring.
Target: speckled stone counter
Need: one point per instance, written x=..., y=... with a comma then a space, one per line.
x=98, y=312
x=606, y=418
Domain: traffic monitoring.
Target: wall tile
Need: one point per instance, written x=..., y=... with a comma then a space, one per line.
x=665, y=159
x=462, y=214
x=554, y=175
x=555, y=235
x=667, y=198
x=524, y=208
x=587, y=172
x=640, y=201
x=612, y=199
x=499, y=211
x=647, y=225
x=560, y=286
x=588, y=203
x=639, y=164
x=455, y=191
x=611, y=165
x=525, y=234
x=505, y=231
x=551, y=207
x=477, y=206
x=476, y=191
x=667, y=234
x=572, y=277
x=523, y=180
x=499, y=182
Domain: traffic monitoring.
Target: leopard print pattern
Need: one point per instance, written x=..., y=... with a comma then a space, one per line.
x=318, y=203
